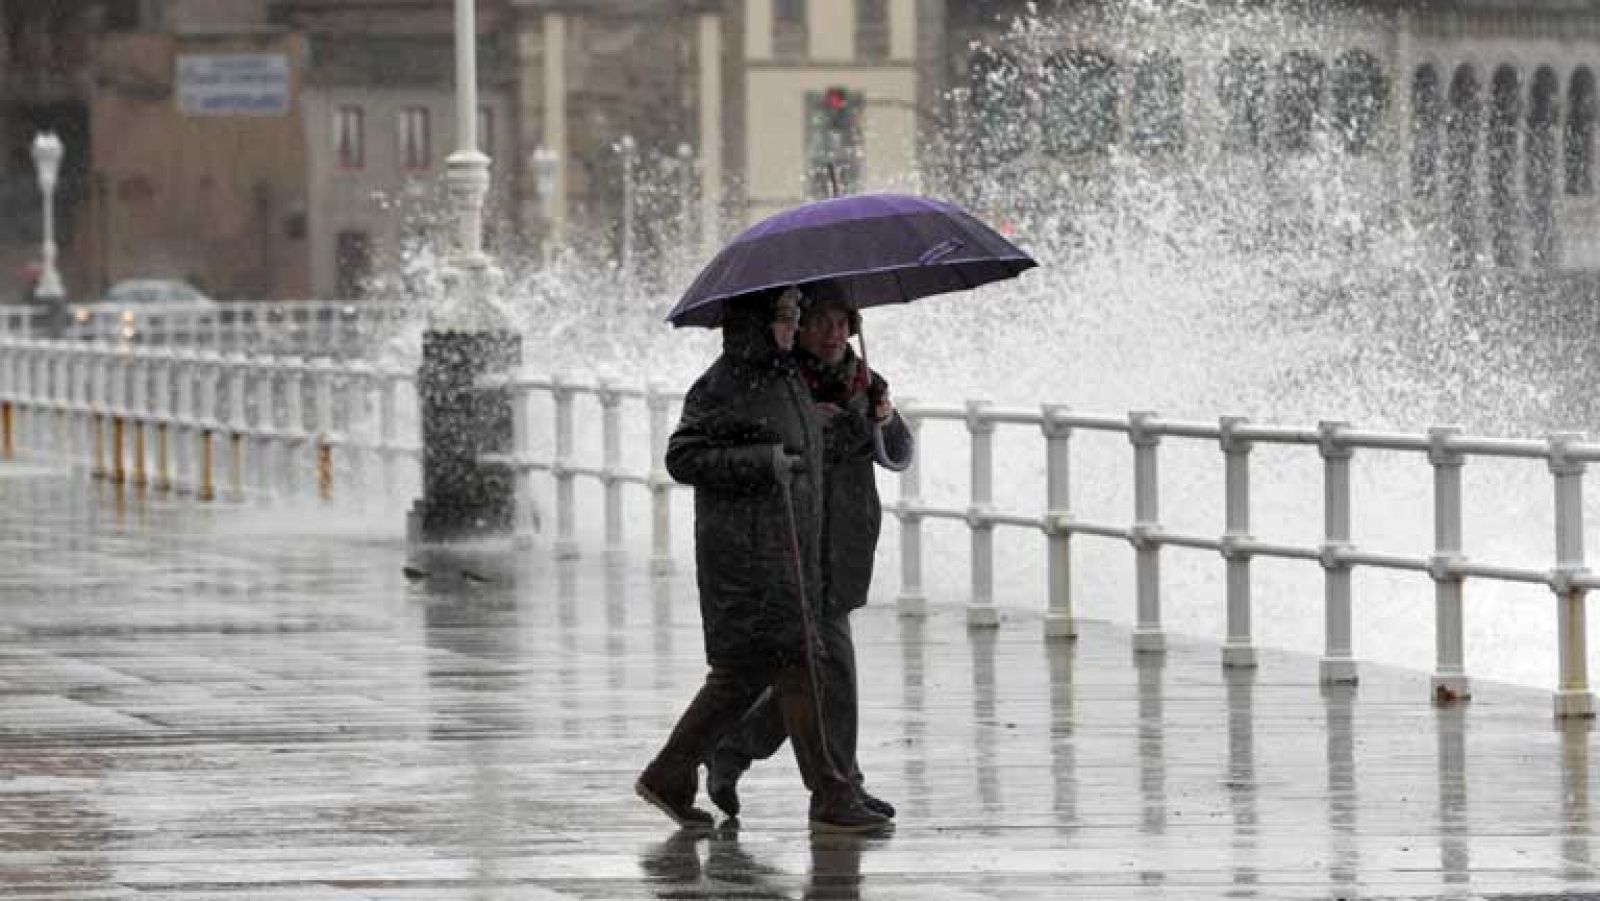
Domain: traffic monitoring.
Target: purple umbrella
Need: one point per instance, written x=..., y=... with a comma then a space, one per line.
x=868, y=249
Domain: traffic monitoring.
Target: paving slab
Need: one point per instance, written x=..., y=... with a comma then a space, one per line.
x=212, y=701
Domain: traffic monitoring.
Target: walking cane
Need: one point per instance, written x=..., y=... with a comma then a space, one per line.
x=805, y=620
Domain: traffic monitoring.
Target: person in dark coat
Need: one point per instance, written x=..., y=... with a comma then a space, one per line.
x=750, y=444
x=853, y=402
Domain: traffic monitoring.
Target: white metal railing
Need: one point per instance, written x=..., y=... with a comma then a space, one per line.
x=1446, y=450
x=82, y=399
x=189, y=421
x=307, y=327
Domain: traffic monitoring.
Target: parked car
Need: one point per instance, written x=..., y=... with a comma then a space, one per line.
x=140, y=309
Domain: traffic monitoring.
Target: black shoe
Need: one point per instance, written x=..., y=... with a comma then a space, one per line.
x=722, y=786
x=846, y=814
x=876, y=805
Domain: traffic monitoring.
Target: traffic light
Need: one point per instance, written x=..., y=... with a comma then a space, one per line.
x=833, y=140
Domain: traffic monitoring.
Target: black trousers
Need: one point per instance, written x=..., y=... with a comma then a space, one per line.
x=760, y=732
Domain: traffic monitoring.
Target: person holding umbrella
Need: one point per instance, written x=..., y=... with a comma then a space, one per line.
x=750, y=445
x=853, y=403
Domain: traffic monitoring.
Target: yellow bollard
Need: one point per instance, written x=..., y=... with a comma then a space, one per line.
x=208, y=490
x=140, y=478
x=99, y=470
x=163, y=461
x=325, y=471
x=7, y=443
x=236, y=466
x=119, y=473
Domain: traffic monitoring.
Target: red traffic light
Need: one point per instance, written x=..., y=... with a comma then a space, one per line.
x=834, y=99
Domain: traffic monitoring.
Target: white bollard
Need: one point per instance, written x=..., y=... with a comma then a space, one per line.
x=1338, y=663
x=660, y=482
x=1239, y=648
x=566, y=547
x=912, y=602
x=266, y=429
x=611, y=465
x=1572, y=694
x=1450, y=675
x=1145, y=534
x=981, y=611
x=1058, y=621
x=524, y=518
x=294, y=426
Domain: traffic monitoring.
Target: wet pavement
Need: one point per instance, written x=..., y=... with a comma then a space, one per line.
x=215, y=702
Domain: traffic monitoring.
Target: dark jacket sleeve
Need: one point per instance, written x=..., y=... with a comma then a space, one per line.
x=893, y=446
x=711, y=449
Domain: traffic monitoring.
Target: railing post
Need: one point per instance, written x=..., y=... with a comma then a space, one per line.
x=266, y=429
x=388, y=426
x=1239, y=648
x=357, y=427
x=660, y=482
x=611, y=465
x=99, y=378
x=139, y=411
x=525, y=520
x=912, y=602
x=294, y=428
x=183, y=425
x=1338, y=665
x=1145, y=533
x=1450, y=676
x=161, y=414
x=326, y=435
x=566, y=543
x=1572, y=694
x=238, y=423
x=119, y=413
x=210, y=375
x=981, y=611
x=1058, y=622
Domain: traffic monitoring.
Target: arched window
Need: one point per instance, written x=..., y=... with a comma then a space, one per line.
x=997, y=100
x=1505, y=113
x=1079, y=103
x=1543, y=111
x=1425, y=116
x=1242, y=90
x=1156, y=107
x=1360, y=96
x=1300, y=79
x=1580, y=132
x=1463, y=126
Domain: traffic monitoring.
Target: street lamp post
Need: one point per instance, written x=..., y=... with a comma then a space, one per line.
x=629, y=151
x=47, y=152
x=546, y=162
x=468, y=353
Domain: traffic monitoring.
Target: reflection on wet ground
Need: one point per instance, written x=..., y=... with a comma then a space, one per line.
x=214, y=702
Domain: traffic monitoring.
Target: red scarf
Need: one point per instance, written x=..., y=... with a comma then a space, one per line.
x=837, y=383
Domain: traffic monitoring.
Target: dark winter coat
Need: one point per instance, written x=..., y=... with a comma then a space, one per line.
x=852, y=510
x=741, y=415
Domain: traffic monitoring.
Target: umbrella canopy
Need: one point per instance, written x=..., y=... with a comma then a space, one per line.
x=867, y=249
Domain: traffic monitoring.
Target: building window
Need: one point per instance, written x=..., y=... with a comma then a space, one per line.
x=1505, y=114
x=789, y=27
x=872, y=29
x=1360, y=96
x=349, y=137
x=1156, y=106
x=486, y=130
x=1540, y=173
x=1300, y=77
x=1079, y=114
x=1425, y=116
x=1580, y=132
x=416, y=152
x=353, y=264
x=1242, y=90
x=1463, y=130
x=996, y=100
x=833, y=142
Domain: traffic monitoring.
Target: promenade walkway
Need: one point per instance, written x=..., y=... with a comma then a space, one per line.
x=215, y=702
